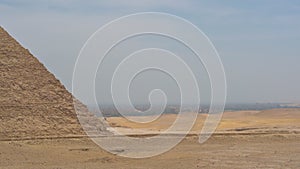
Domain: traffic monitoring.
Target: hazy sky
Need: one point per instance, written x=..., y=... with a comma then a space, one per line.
x=258, y=40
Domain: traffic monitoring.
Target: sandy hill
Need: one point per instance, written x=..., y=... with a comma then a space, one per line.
x=287, y=113
x=33, y=103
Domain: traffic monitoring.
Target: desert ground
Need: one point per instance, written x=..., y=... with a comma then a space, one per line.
x=244, y=139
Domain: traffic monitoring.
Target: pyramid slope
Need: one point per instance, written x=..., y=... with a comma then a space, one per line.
x=33, y=103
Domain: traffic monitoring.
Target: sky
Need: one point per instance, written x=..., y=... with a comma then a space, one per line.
x=257, y=40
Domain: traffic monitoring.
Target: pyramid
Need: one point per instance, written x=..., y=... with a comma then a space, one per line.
x=33, y=103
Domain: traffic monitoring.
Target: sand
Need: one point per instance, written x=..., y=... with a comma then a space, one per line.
x=247, y=151
x=268, y=121
x=246, y=139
